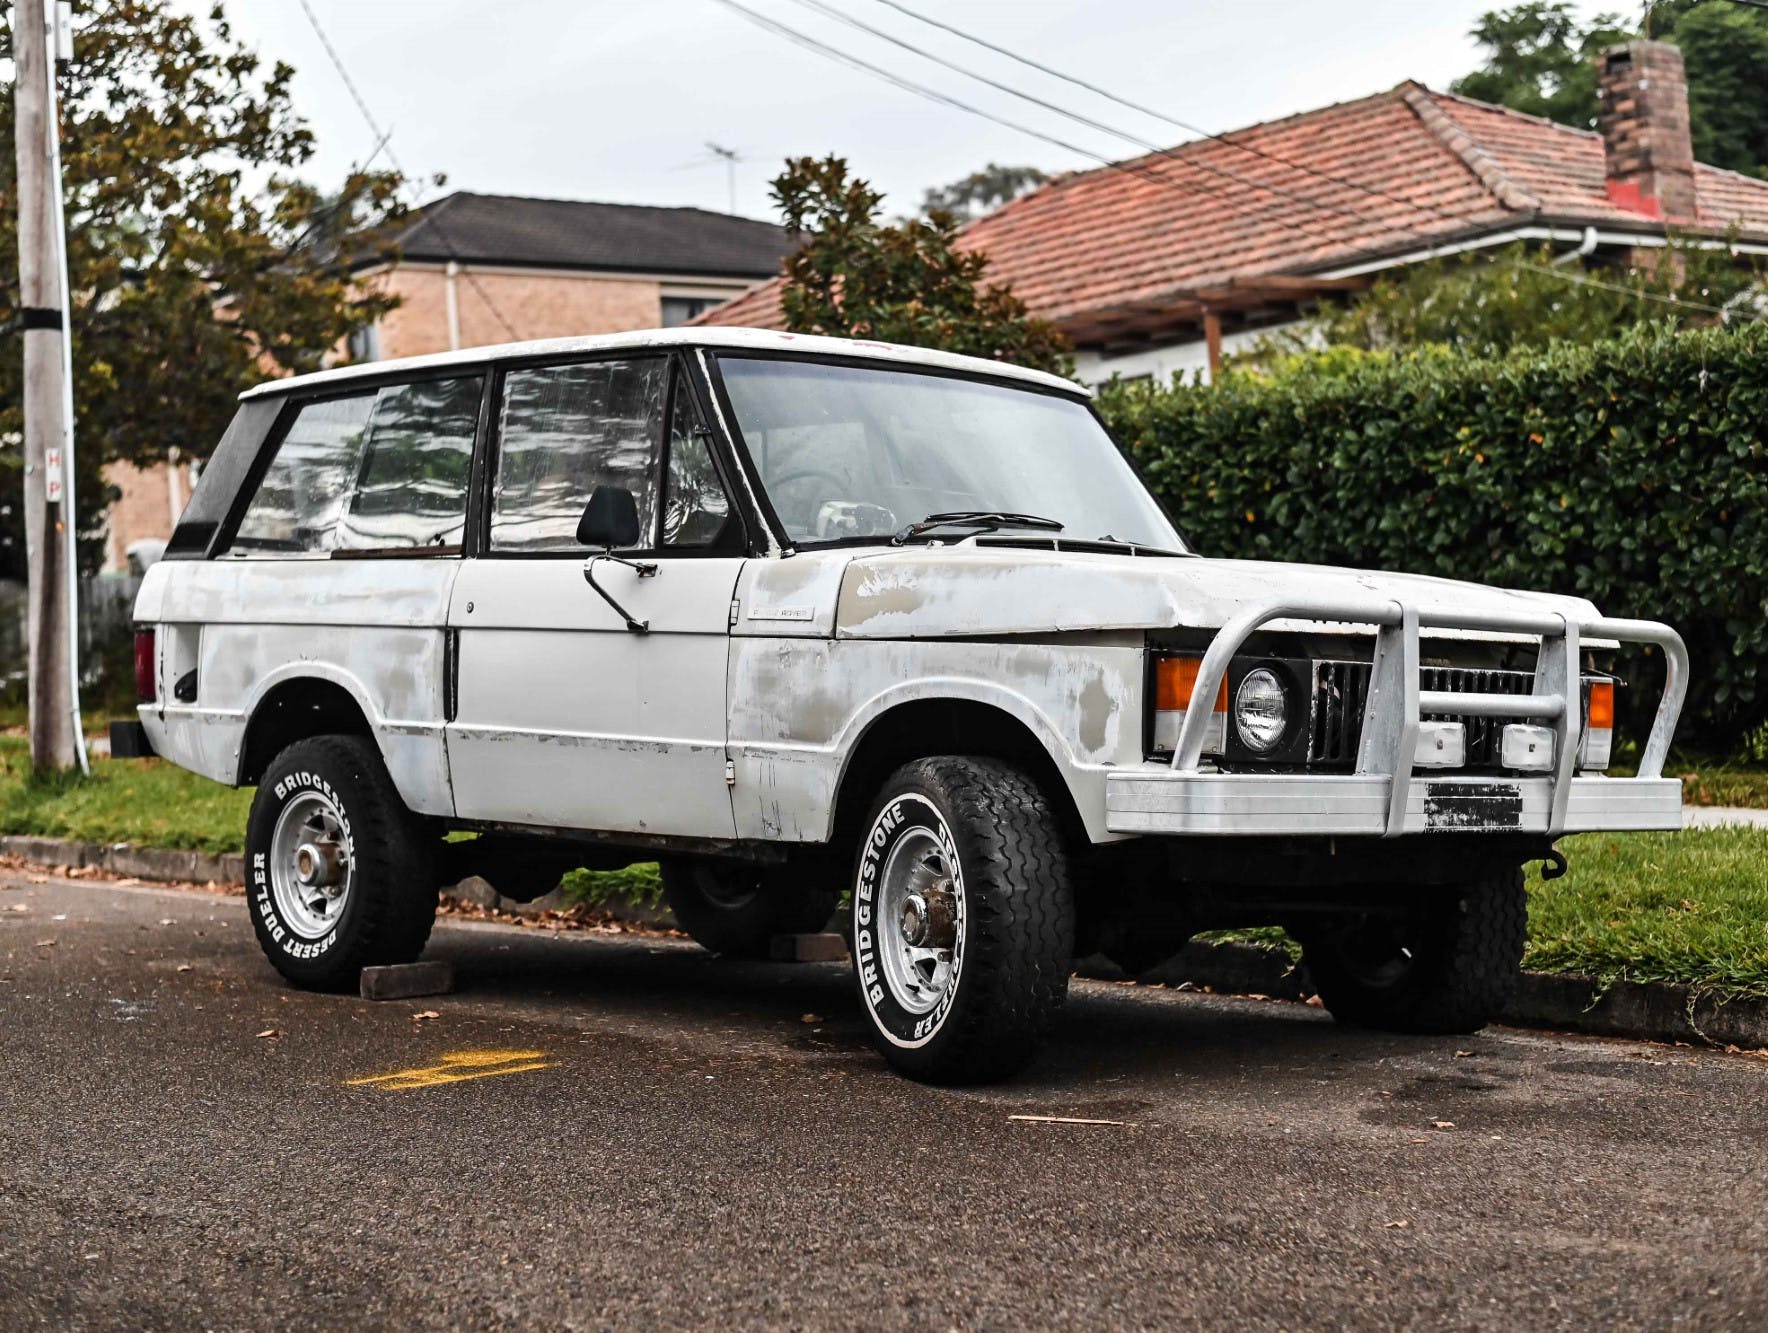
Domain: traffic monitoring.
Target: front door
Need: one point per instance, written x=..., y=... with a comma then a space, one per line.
x=563, y=715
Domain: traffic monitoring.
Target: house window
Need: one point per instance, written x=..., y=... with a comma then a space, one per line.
x=678, y=310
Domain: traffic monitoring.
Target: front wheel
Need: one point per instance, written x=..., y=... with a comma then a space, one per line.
x=1450, y=965
x=963, y=916
x=339, y=874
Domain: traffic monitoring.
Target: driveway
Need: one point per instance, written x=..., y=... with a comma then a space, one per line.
x=608, y=1130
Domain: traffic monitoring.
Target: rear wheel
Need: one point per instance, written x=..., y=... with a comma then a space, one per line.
x=963, y=919
x=339, y=874
x=1451, y=965
x=736, y=910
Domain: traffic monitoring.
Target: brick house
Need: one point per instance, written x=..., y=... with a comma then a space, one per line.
x=480, y=268
x=1160, y=264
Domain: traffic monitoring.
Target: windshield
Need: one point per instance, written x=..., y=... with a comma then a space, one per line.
x=849, y=452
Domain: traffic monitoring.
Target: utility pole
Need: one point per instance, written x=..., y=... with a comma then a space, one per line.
x=55, y=740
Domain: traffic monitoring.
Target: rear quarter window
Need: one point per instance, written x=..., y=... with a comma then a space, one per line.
x=381, y=470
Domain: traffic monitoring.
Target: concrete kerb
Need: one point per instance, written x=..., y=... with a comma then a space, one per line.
x=1652, y=1011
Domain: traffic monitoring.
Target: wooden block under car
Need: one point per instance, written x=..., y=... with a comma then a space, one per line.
x=826, y=947
x=406, y=981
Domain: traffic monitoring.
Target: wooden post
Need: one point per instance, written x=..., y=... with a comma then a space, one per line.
x=1212, y=340
x=46, y=546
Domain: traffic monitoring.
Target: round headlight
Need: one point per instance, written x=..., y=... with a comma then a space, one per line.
x=1261, y=710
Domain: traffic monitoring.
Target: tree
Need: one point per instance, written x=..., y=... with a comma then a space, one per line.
x=983, y=191
x=1517, y=297
x=908, y=282
x=1725, y=48
x=199, y=263
x=1541, y=58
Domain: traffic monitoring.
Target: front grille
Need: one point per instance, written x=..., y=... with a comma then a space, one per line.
x=1341, y=691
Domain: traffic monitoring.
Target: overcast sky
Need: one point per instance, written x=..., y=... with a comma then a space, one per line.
x=616, y=99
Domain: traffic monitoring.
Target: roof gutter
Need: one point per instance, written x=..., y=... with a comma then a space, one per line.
x=1577, y=234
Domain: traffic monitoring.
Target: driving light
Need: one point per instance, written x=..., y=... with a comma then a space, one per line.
x=1261, y=710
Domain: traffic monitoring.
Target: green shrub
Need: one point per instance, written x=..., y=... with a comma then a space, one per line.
x=1632, y=472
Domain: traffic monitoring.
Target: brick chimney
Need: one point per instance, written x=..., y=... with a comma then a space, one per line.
x=1646, y=147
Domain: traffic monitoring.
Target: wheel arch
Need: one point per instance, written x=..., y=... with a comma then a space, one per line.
x=987, y=725
x=294, y=706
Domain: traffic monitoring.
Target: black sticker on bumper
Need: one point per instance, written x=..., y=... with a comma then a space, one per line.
x=1455, y=806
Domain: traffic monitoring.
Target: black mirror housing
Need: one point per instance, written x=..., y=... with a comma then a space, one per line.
x=610, y=519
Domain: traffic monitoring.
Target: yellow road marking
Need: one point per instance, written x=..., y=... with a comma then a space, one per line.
x=456, y=1067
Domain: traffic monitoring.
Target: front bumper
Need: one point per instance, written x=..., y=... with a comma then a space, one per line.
x=1157, y=800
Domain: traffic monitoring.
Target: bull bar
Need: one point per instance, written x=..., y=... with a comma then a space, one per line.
x=1382, y=797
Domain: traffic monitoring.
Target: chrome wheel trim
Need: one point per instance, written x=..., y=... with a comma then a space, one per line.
x=922, y=866
x=312, y=865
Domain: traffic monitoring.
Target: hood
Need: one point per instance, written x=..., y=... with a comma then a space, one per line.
x=941, y=592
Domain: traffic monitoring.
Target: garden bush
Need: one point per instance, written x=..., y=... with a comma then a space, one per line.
x=1633, y=472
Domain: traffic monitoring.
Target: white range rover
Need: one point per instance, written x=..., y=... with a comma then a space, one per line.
x=797, y=616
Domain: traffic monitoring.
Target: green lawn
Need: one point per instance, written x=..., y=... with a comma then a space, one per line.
x=147, y=802
x=1689, y=907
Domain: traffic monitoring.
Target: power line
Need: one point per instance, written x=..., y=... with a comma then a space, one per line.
x=384, y=144
x=834, y=53
x=1147, y=146
x=1168, y=119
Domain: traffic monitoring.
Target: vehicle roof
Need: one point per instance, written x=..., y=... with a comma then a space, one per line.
x=734, y=339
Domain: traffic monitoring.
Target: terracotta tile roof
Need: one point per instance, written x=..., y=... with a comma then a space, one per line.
x=1323, y=190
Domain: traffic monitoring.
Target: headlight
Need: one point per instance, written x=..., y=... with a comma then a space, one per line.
x=1261, y=710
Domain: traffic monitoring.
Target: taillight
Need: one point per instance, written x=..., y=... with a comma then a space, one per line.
x=145, y=685
x=1175, y=681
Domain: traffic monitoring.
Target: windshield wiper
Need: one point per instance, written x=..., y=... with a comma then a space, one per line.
x=988, y=520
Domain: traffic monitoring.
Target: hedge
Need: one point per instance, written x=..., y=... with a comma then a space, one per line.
x=1631, y=472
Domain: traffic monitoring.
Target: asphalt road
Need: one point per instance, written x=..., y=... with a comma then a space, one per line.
x=681, y=1141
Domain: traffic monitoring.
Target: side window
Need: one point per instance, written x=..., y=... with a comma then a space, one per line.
x=564, y=430
x=411, y=489
x=695, y=506
x=382, y=469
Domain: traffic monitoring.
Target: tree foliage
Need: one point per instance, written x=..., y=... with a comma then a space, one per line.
x=854, y=276
x=199, y=261
x=1519, y=297
x=983, y=191
x=1540, y=57
x=1633, y=472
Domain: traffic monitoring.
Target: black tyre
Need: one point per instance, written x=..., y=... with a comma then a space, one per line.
x=339, y=874
x=736, y=910
x=1451, y=966
x=963, y=919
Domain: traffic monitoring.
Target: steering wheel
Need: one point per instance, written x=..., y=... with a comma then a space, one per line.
x=777, y=484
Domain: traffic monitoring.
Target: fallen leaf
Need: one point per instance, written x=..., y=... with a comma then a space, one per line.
x=1316, y=1001
x=59, y=916
x=1397, y=1226
x=270, y=1032
x=810, y=1018
x=1421, y=1140
x=1462, y=1055
x=1442, y=1124
x=45, y=944
x=167, y=921
x=17, y=907
x=184, y=967
x=426, y=1014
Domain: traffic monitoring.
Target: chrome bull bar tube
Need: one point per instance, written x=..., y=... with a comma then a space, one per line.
x=1395, y=703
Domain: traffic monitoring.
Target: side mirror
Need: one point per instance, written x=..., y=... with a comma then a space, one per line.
x=610, y=519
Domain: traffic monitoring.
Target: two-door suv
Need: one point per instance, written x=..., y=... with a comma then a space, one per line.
x=797, y=617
